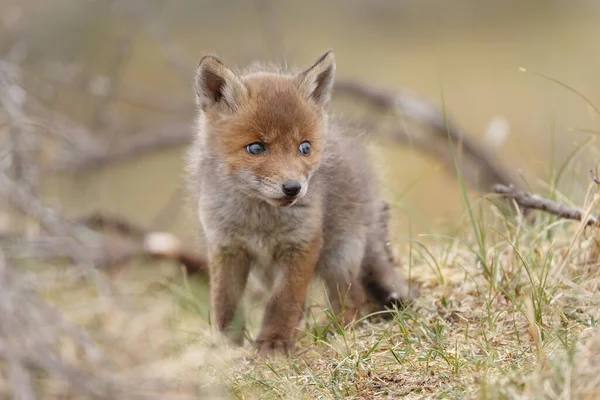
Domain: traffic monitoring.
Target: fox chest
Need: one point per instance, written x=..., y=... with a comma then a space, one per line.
x=269, y=235
x=270, y=238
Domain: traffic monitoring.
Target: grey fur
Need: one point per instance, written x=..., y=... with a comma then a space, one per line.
x=342, y=201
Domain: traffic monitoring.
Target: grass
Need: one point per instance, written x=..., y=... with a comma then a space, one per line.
x=523, y=327
x=508, y=310
x=472, y=335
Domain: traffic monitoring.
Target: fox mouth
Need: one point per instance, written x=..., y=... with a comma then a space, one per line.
x=281, y=201
x=287, y=202
x=277, y=195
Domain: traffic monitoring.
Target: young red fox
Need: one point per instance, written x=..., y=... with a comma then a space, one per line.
x=283, y=193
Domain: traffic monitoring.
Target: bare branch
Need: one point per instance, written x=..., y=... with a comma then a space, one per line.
x=13, y=99
x=407, y=104
x=594, y=177
x=119, y=242
x=156, y=244
x=167, y=136
x=537, y=202
x=106, y=222
x=77, y=239
x=107, y=253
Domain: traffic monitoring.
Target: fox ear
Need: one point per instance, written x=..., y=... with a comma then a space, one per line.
x=317, y=81
x=217, y=85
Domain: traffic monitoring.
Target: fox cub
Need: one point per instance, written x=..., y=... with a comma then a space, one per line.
x=283, y=193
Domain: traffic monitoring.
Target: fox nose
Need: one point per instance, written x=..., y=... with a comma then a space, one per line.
x=291, y=188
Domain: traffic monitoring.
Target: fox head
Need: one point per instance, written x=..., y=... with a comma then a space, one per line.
x=267, y=129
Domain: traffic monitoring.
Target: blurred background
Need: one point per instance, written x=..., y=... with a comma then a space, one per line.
x=103, y=72
x=97, y=108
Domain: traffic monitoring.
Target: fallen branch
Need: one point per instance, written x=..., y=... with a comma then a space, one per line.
x=78, y=242
x=106, y=222
x=119, y=243
x=536, y=202
x=103, y=254
x=157, y=244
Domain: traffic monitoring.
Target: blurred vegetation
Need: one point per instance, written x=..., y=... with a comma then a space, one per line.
x=470, y=49
x=500, y=298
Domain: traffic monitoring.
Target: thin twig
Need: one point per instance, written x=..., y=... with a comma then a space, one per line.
x=594, y=177
x=536, y=202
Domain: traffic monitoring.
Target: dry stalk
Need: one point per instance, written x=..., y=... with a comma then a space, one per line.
x=536, y=202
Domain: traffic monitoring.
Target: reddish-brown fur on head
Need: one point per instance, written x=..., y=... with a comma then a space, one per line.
x=277, y=110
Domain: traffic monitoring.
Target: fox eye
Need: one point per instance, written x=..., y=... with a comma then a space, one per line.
x=304, y=148
x=256, y=148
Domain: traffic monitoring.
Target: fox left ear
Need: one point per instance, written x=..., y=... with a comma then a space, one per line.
x=217, y=85
x=317, y=81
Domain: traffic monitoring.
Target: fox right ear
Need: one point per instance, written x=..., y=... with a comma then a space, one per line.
x=317, y=81
x=217, y=85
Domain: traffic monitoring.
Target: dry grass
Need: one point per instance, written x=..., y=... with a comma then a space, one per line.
x=508, y=311
x=495, y=334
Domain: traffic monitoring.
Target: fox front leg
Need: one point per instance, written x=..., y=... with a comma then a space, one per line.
x=286, y=305
x=229, y=267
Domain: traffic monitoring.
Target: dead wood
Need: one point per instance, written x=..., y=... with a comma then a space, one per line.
x=536, y=202
x=594, y=177
x=117, y=243
x=79, y=243
x=156, y=244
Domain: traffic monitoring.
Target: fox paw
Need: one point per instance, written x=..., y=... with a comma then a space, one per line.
x=274, y=346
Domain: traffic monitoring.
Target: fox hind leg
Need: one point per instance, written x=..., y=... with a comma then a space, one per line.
x=382, y=283
x=339, y=268
x=377, y=273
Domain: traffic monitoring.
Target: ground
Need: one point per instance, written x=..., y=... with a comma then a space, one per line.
x=508, y=309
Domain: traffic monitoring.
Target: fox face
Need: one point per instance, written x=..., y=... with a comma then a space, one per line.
x=267, y=130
